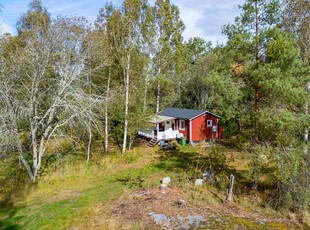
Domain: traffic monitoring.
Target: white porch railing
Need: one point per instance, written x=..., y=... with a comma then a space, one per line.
x=168, y=135
x=164, y=135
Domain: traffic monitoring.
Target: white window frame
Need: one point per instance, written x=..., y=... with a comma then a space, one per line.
x=182, y=122
x=209, y=123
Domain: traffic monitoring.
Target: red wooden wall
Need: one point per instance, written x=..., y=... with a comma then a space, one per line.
x=200, y=131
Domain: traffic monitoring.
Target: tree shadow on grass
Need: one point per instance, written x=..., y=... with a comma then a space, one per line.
x=131, y=182
x=176, y=160
x=194, y=164
x=8, y=215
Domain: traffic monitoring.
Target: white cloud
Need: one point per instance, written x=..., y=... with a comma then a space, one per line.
x=205, y=18
x=5, y=28
x=190, y=18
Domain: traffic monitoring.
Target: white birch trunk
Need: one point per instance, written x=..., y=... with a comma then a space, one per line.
x=89, y=142
x=21, y=153
x=126, y=105
x=145, y=93
x=106, y=130
x=130, y=143
x=158, y=96
x=34, y=123
x=89, y=123
x=106, y=117
x=34, y=149
x=158, y=91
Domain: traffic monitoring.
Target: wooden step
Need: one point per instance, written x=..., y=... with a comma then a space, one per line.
x=152, y=142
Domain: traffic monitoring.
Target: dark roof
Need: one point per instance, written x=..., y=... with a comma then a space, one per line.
x=184, y=113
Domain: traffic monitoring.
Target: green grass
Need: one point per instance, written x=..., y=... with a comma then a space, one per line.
x=66, y=199
x=75, y=195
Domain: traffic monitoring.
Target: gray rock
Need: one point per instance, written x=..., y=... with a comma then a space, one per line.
x=207, y=175
x=186, y=223
x=160, y=219
x=196, y=221
x=163, y=186
x=165, y=180
x=180, y=203
x=199, y=182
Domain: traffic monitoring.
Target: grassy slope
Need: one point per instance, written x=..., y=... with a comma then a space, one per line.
x=77, y=195
x=67, y=197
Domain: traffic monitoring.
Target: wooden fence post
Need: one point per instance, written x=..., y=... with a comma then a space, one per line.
x=230, y=190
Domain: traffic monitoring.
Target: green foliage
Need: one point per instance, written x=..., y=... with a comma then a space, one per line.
x=294, y=178
x=267, y=68
x=35, y=22
x=288, y=162
x=13, y=177
x=282, y=129
x=51, y=164
x=296, y=19
x=259, y=156
x=68, y=196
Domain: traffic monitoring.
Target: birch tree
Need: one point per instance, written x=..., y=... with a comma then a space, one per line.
x=106, y=58
x=167, y=40
x=124, y=29
x=43, y=87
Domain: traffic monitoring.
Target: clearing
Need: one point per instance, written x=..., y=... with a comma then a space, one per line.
x=112, y=192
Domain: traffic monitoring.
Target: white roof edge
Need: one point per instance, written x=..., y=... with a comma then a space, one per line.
x=158, y=119
x=206, y=111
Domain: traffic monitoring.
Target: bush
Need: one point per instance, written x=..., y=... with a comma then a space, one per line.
x=294, y=180
x=12, y=176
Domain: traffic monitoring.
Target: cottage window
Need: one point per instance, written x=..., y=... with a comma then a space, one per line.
x=209, y=123
x=182, y=124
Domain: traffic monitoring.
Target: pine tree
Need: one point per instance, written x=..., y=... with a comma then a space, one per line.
x=272, y=76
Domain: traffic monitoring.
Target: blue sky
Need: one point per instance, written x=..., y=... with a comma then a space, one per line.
x=202, y=18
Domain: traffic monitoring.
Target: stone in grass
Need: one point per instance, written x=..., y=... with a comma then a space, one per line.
x=181, y=203
x=199, y=182
x=163, y=186
x=207, y=175
x=165, y=180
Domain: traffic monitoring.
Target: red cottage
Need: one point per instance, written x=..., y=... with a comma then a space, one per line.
x=194, y=125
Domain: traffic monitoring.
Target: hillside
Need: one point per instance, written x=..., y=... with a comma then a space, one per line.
x=112, y=192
